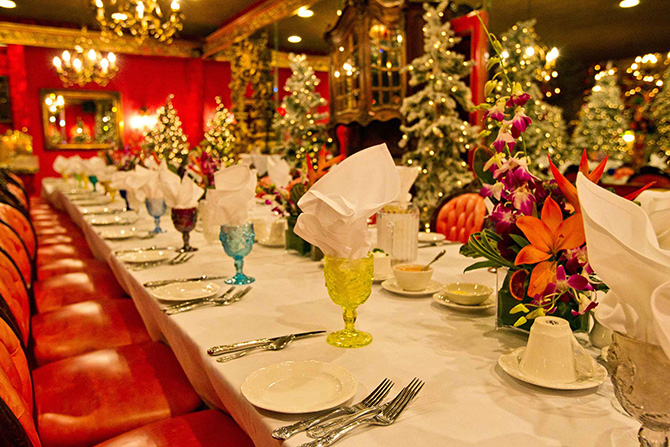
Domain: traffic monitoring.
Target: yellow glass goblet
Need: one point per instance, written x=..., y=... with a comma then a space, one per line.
x=349, y=284
x=109, y=190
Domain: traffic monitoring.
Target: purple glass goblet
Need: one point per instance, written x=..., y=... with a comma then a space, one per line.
x=184, y=220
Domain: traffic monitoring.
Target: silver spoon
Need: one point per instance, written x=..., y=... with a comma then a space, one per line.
x=276, y=345
x=439, y=255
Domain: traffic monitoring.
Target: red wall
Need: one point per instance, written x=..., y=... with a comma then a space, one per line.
x=143, y=81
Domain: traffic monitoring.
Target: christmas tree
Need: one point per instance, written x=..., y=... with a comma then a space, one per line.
x=530, y=63
x=660, y=113
x=436, y=135
x=219, y=139
x=105, y=124
x=299, y=126
x=167, y=140
x=601, y=120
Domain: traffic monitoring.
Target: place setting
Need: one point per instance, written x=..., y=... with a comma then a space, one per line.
x=413, y=280
x=466, y=297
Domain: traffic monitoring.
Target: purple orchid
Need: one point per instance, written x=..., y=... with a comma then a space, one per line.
x=576, y=282
x=519, y=97
x=522, y=199
x=504, y=138
x=494, y=190
x=497, y=111
x=504, y=218
x=520, y=122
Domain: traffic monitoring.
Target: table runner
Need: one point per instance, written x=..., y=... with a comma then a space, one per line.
x=467, y=401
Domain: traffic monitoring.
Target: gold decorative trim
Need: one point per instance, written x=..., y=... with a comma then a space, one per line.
x=318, y=63
x=259, y=17
x=64, y=38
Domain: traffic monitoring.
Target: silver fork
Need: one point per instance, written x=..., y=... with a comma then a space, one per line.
x=374, y=398
x=181, y=258
x=217, y=302
x=198, y=300
x=387, y=416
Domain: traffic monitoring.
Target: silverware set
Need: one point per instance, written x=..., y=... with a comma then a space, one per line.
x=332, y=426
x=181, y=258
x=226, y=299
x=237, y=350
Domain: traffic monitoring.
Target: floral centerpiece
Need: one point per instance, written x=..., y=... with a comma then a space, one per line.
x=124, y=159
x=535, y=228
x=202, y=165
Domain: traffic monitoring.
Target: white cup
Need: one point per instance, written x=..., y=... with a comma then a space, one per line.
x=410, y=277
x=549, y=355
x=382, y=266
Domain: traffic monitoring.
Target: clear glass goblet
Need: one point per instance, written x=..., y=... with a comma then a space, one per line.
x=94, y=181
x=184, y=220
x=156, y=208
x=349, y=284
x=640, y=373
x=237, y=241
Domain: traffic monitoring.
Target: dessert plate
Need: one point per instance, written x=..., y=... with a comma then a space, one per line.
x=143, y=257
x=392, y=286
x=118, y=234
x=510, y=364
x=431, y=237
x=444, y=301
x=185, y=291
x=299, y=386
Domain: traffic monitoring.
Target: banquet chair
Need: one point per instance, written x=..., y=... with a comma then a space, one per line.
x=645, y=176
x=87, y=399
x=459, y=216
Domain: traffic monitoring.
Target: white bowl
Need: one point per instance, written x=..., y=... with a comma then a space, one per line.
x=412, y=280
x=467, y=294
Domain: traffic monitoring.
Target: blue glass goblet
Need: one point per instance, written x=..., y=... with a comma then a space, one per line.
x=124, y=195
x=94, y=181
x=156, y=208
x=237, y=241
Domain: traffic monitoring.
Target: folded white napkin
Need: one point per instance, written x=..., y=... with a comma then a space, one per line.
x=660, y=307
x=119, y=180
x=145, y=183
x=657, y=206
x=260, y=162
x=407, y=177
x=624, y=252
x=335, y=210
x=60, y=164
x=74, y=165
x=233, y=197
x=94, y=166
x=105, y=175
x=279, y=171
x=178, y=192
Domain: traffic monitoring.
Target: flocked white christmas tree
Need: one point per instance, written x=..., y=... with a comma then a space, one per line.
x=299, y=125
x=219, y=139
x=167, y=139
x=526, y=57
x=437, y=137
x=602, y=121
x=660, y=113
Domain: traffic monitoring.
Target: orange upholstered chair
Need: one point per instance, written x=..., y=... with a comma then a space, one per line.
x=460, y=216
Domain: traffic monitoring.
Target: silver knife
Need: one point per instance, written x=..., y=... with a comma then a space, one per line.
x=225, y=349
x=133, y=250
x=170, y=281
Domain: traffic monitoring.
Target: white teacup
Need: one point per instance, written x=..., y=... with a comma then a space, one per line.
x=549, y=355
x=410, y=277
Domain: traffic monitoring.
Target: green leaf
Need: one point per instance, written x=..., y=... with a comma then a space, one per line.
x=482, y=265
x=521, y=241
x=480, y=157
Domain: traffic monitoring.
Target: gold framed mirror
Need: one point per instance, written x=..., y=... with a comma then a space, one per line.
x=81, y=119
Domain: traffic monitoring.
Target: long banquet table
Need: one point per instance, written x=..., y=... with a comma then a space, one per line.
x=467, y=400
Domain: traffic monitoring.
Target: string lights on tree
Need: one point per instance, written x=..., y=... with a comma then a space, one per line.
x=219, y=139
x=167, y=139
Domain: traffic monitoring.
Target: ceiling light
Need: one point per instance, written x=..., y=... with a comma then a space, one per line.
x=9, y=4
x=294, y=39
x=304, y=12
x=628, y=3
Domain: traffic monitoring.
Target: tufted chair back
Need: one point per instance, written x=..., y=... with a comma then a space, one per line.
x=20, y=223
x=15, y=247
x=461, y=216
x=14, y=298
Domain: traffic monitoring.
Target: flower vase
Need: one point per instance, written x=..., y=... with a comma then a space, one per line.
x=295, y=242
x=507, y=301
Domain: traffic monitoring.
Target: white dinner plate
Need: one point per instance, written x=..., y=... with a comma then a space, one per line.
x=510, y=364
x=114, y=219
x=102, y=209
x=299, y=386
x=443, y=300
x=141, y=257
x=392, y=286
x=118, y=234
x=184, y=291
x=431, y=237
x=102, y=200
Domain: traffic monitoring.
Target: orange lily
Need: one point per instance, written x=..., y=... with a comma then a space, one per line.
x=569, y=190
x=547, y=236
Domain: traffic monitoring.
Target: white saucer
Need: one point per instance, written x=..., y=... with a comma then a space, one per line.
x=510, y=364
x=443, y=300
x=299, y=386
x=118, y=234
x=141, y=257
x=378, y=279
x=392, y=286
x=265, y=243
x=431, y=237
x=184, y=291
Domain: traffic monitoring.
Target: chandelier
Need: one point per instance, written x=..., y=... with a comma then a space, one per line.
x=85, y=64
x=141, y=18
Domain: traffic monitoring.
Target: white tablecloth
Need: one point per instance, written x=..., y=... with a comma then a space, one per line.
x=467, y=400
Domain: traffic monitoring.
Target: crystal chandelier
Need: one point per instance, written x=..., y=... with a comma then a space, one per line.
x=85, y=64
x=141, y=18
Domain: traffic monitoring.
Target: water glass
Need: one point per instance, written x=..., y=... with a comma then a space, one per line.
x=398, y=231
x=156, y=208
x=237, y=241
x=349, y=284
x=184, y=220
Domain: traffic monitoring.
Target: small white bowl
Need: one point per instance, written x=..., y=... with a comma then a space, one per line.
x=467, y=294
x=412, y=280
